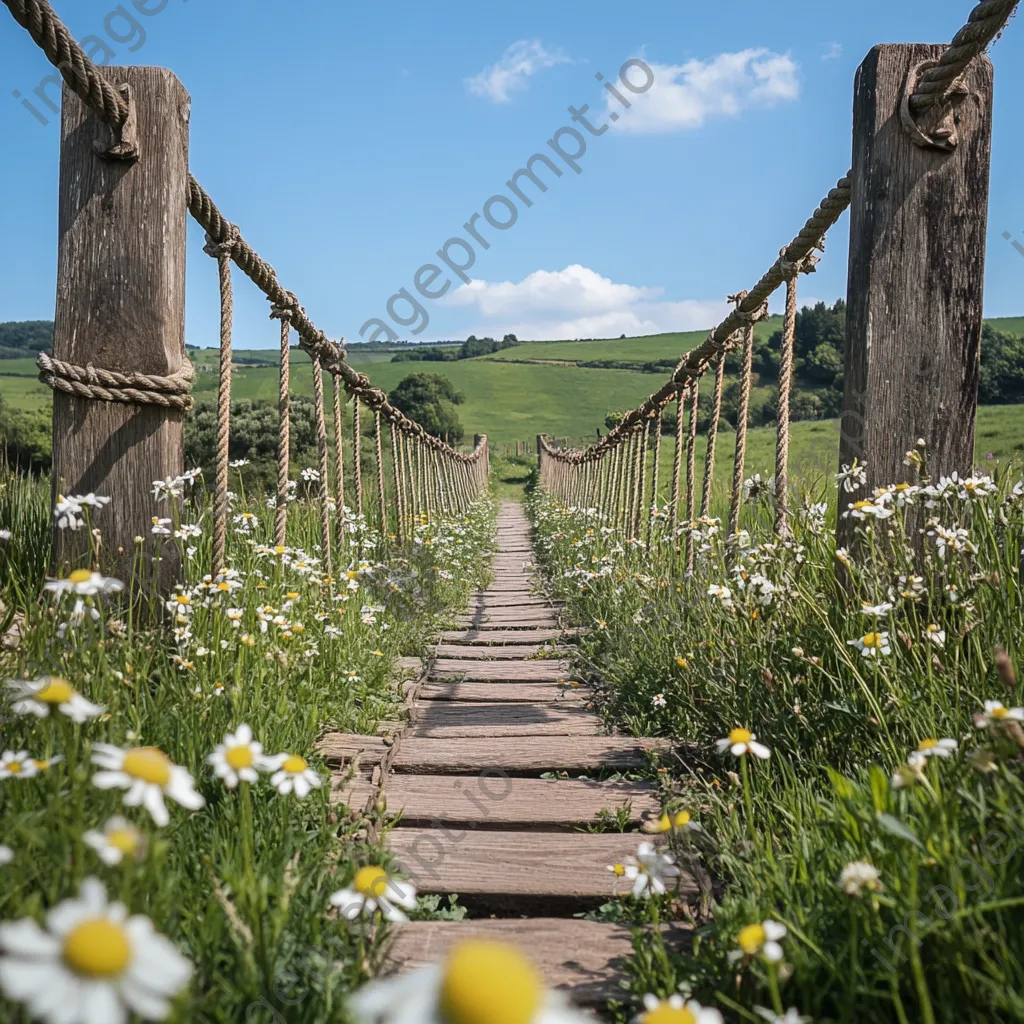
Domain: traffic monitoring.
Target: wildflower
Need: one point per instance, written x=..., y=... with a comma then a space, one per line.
x=371, y=890
x=852, y=478
x=860, y=876
x=982, y=760
x=842, y=555
x=871, y=645
x=682, y=662
x=743, y=741
x=940, y=748
x=292, y=774
x=187, y=531
x=84, y=583
x=38, y=696
x=680, y=820
x=68, y=513
x=867, y=510
x=956, y=540
x=16, y=764
x=762, y=939
x=92, y=964
x=879, y=611
x=649, y=870
x=791, y=1016
x=238, y=759
x=310, y=476
x=909, y=774
x=161, y=527
x=119, y=839
x=478, y=981
x=724, y=595
x=754, y=488
x=934, y=634
x=658, y=701
x=148, y=775
x=5, y=534
x=6, y=855
x=675, y=1010
x=238, y=463
x=996, y=715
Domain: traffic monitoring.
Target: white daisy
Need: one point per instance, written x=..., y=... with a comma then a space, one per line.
x=872, y=645
x=939, y=748
x=148, y=774
x=791, y=1016
x=934, y=635
x=93, y=964
x=6, y=855
x=238, y=759
x=879, y=611
x=292, y=774
x=658, y=701
x=860, y=876
x=119, y=839
x=16, y=764
x=762, y=939
x=478, y=981
x=995, y=715
x=909, y=774
x=743, y=741
x=675, y=1010
x=84, y=583
x=679, y=821
x=161, y=526
x=649, y=871
x=374, y=889
x=38, y=696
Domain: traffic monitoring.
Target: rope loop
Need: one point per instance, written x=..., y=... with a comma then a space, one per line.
x=805, y=265
x=225, y=249
x=171, y=392
x=753, y=317
x=286, y=310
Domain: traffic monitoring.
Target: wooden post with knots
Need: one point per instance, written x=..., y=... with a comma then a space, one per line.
x=916, y=272
x=120, y=314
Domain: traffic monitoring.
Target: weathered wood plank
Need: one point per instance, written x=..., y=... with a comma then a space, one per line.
x=508, y=636
x=493, y=693
x=542, y=669
x=518, y=600
x=459, y=720
x=497, y=801
x=528, y=755
x=509, y=617
x=497, y=864
x=518, y=652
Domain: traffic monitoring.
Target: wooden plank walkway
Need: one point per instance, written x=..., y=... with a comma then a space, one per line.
x=474, y=816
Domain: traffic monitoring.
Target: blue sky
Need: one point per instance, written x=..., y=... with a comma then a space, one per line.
x=350, y=141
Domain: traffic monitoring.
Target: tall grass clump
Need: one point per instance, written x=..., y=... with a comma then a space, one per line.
x=163, y=755
x=850, y=742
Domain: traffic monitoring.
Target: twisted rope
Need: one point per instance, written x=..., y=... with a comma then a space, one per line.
x=381, y=493
x=339, y=453
x=985, y=24
x=283, y=313
x=655, y=473
x=709, y=457
x=677, y=461
x=691, y=468
x=325, y=479
x=170, y=392
x=357, y=454
x=742, y=413
x=396, y=465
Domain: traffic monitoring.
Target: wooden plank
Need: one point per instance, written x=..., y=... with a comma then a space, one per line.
x=459, y=720
x=410, y=665
x=497, y=801
x=516, y=651
x=916, y=275
x=343, y=747
x=530, y=693
x=506, y=617
x=515, y=600
x=582, y=958
x=121, y=307
x=497, y=864
x=528, y=755
x=508, y=636
x=543, y=669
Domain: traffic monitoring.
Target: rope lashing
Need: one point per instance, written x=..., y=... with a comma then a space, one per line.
x=171, y=392
x=221, y=252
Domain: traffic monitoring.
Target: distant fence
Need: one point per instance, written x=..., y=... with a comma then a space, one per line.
x=119, y=372
x=918, y=194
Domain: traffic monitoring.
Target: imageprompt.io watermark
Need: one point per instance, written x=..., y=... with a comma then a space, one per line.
x=121, y=27
x=500, y=211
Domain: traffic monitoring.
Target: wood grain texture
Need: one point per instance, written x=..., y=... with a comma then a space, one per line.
x=502, y=618
x=528, y=755
x=518, y=652
x=508, y=636
x=458, y=720
x=541, y=669
x=120, y=306
x=514, y=600
x=535, y=693
x=497, y=864
x=916, y=272
x=513, y=803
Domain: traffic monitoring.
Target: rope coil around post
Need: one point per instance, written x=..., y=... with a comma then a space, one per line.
x=222, y=252
x=91, y=382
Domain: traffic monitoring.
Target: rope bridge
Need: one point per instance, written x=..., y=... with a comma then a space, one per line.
x=612, y=474
x=428, y=477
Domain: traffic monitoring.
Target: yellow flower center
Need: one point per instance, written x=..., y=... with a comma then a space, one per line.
x=183, y=599
x=927, y=744
x=740, y=736
x=751, y=938
x=149, y=765
x=999, y=712
x=663, y=1013
x=14, y=767
x=681, y=662
x=56, y=691
x=124, y=839
x=97, y=948
x=371, y=881
x=618, y=870
x=80, y=576
x=862, y=504
x=295, y=765
x=239, y=757
x=292, y=595
x=872, y=640
x=489, y=983
x=682, y=819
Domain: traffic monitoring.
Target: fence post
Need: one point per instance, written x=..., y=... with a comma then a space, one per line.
x=916, y=271
x=120, y=307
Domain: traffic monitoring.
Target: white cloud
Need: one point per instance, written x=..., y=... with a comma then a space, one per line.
x=521, y=60
x=684, y=96
x=833, y=51
x=577, y=302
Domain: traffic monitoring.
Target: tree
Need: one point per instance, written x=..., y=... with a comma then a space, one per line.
x=430, y=399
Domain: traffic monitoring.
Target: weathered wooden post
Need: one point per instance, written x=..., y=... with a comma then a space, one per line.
x=916, y=273
x=541, y=467
x=120, y=308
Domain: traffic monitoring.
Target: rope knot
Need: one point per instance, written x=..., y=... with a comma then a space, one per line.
x=752, y=317
x=171, y=392
x=225, y=249
x=286, y=309
x=804, y=265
